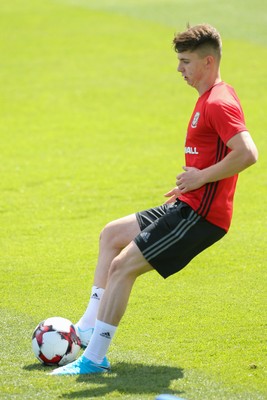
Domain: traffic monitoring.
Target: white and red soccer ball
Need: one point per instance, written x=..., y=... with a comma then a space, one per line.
x=55, y=341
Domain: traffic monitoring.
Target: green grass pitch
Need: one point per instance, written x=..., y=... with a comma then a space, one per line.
x=93, y=117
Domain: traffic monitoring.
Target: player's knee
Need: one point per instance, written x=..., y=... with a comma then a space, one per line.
x=115, y=267
x=121, y=270
x=108, y=235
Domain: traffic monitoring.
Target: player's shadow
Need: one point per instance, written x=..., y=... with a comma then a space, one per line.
x=129, y=379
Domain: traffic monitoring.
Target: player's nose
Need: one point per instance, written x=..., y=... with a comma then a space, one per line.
x=179, y=68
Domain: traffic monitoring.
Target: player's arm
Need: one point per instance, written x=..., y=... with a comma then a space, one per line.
x=244, y=153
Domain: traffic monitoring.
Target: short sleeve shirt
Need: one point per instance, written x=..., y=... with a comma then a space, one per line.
x=217, y=117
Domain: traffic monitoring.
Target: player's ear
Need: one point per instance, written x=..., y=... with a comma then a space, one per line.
x=210, y=60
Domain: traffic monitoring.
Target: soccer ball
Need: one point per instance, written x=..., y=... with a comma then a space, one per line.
x=55, y=341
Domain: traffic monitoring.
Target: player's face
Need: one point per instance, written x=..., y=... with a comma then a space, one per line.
x=192, y=67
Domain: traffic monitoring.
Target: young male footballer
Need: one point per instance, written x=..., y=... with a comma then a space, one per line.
x=197, y=213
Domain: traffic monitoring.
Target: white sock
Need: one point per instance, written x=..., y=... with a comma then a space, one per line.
x=87, y=321
x=100, y=341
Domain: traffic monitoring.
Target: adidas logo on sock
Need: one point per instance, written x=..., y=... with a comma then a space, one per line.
x=95, y=296
x=106, y=335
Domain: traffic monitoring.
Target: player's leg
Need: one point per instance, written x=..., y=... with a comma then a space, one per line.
x=114, y=237
x=124, y=270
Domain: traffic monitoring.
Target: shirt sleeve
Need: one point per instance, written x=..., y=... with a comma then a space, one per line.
x=226, y=118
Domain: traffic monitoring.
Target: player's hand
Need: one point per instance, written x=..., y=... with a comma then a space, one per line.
x=189, y=180
x=172, y=194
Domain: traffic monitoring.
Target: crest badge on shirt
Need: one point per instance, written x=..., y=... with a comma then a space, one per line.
x=195, y=119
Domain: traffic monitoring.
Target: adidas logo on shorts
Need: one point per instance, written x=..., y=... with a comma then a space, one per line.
x=145, y=236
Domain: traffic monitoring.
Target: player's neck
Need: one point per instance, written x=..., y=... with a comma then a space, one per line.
x=207, y=84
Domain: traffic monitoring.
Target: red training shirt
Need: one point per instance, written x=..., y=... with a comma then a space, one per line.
x=217, y=117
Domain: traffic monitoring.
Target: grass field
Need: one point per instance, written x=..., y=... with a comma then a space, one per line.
x=93, y=118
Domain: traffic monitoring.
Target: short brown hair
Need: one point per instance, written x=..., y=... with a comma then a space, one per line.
x=203, y=38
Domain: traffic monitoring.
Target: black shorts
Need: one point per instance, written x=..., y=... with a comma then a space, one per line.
x=172, y=235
